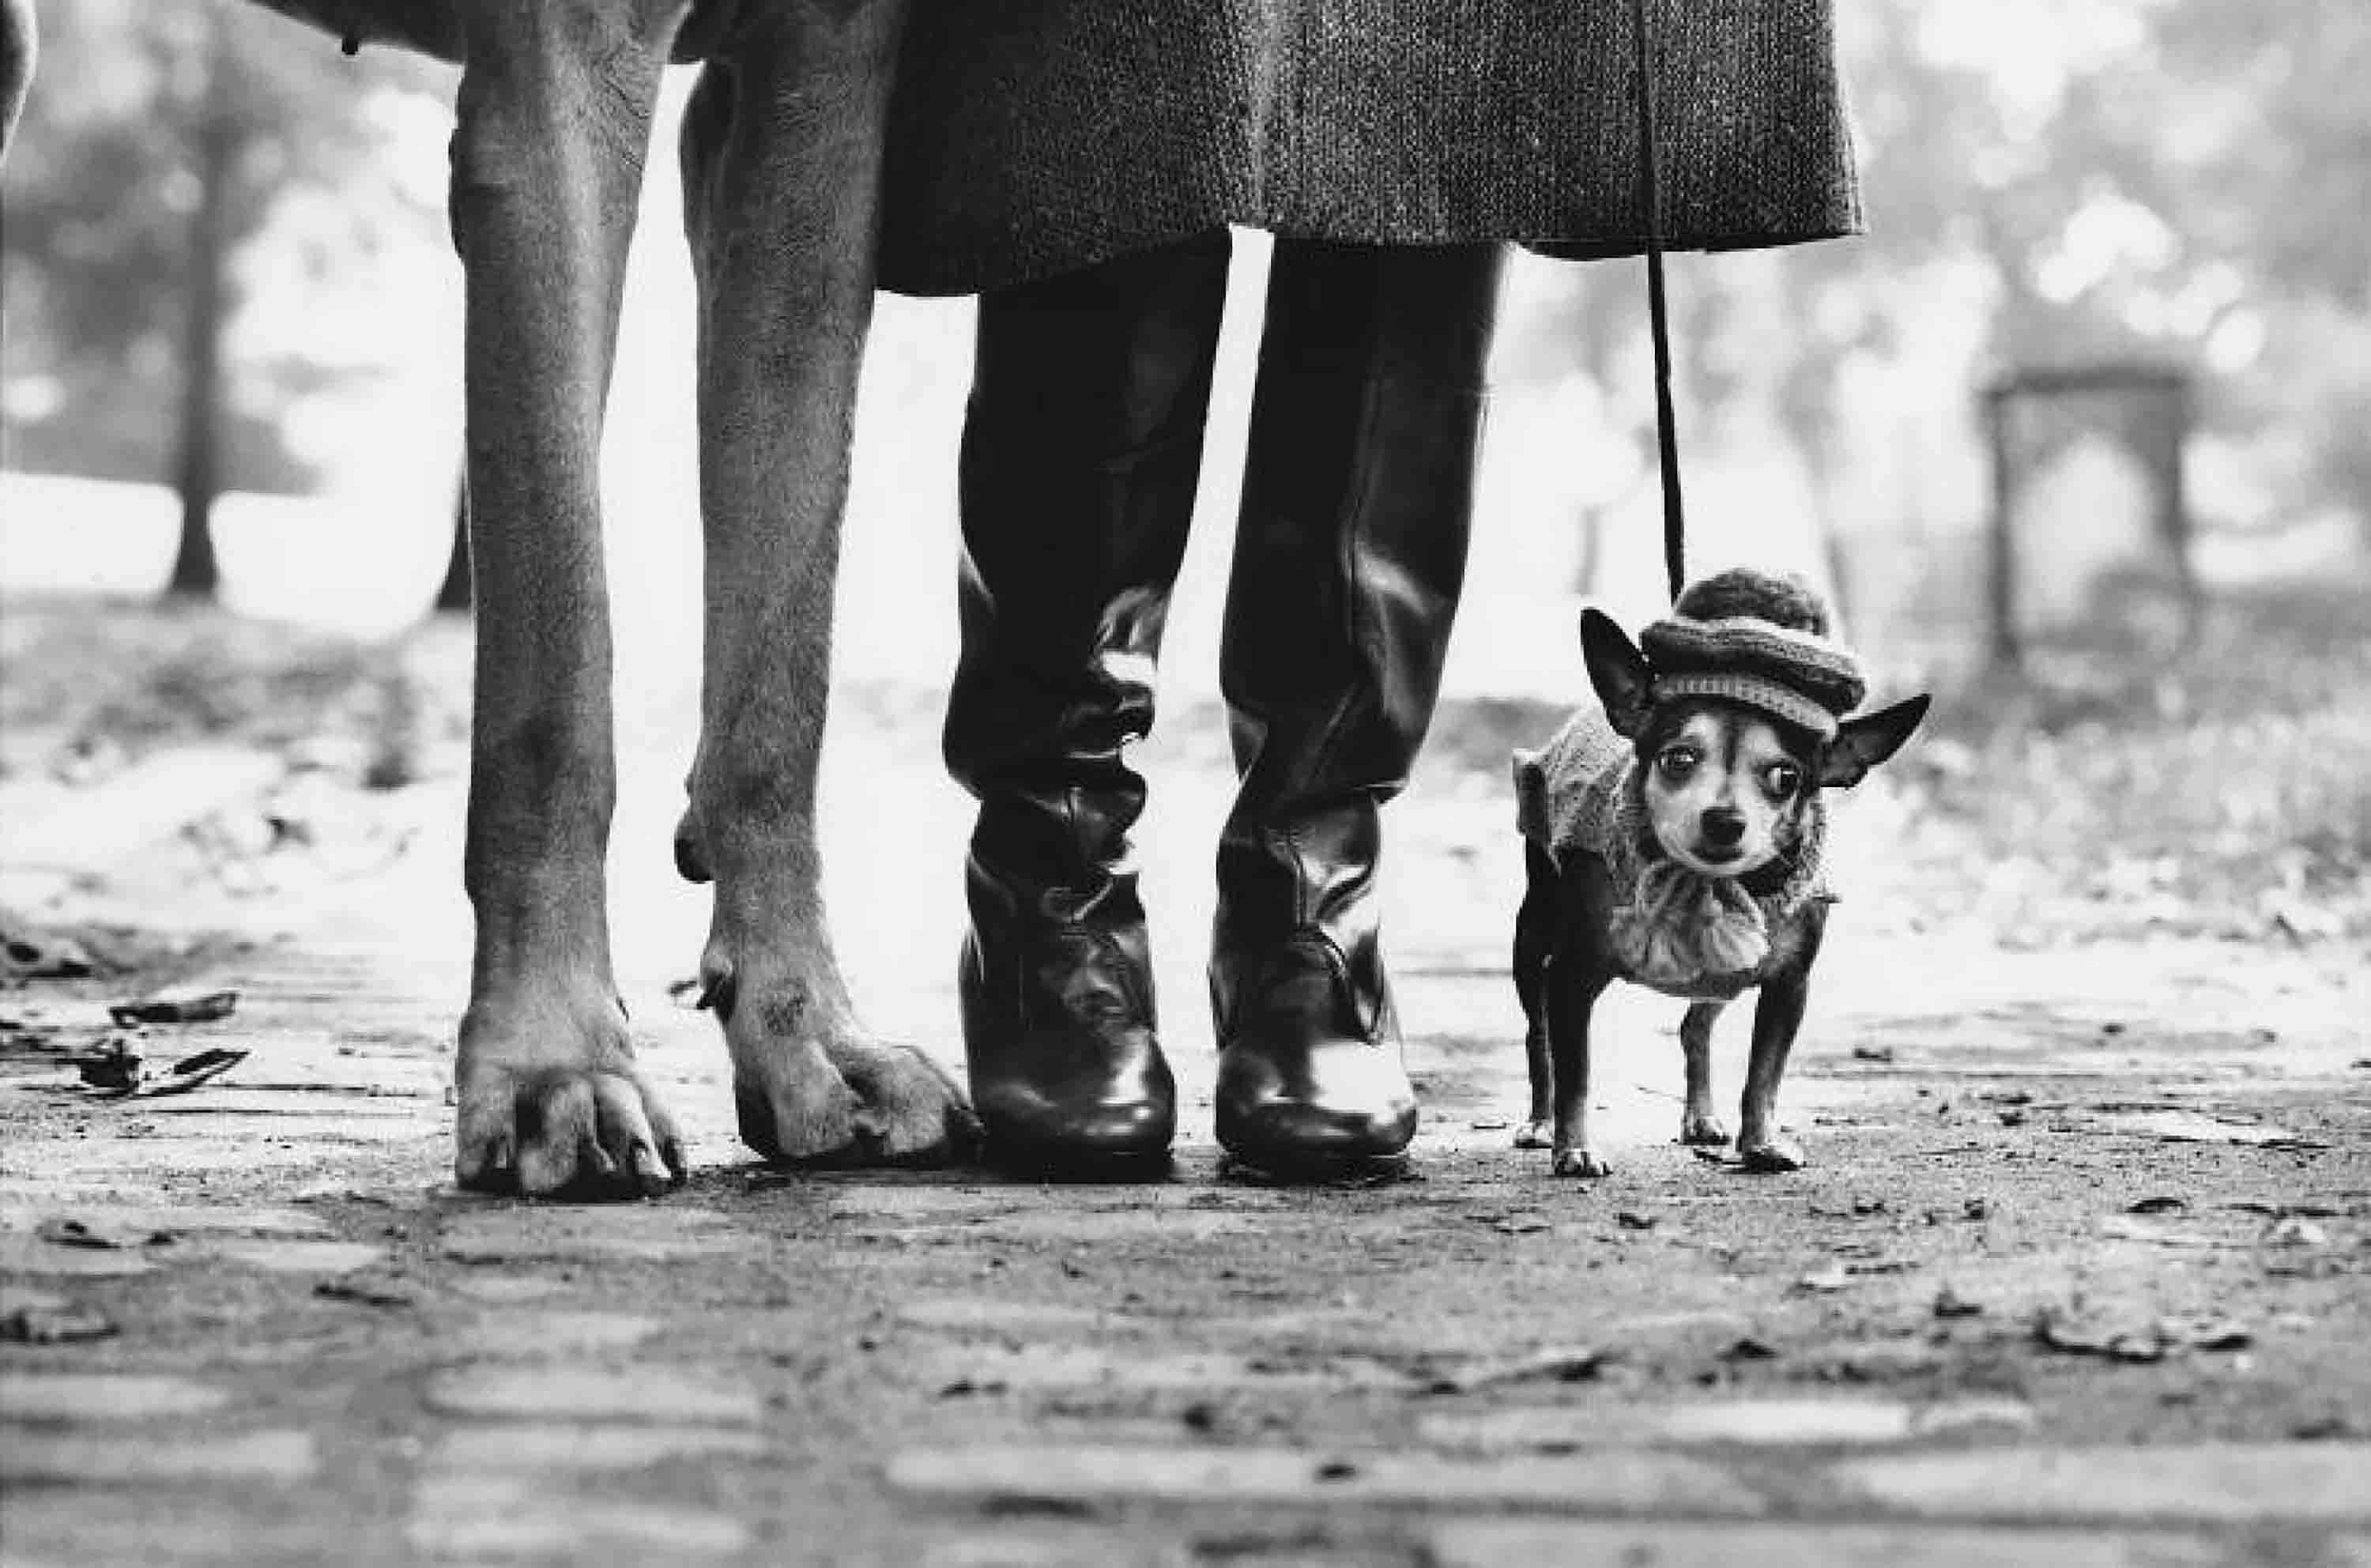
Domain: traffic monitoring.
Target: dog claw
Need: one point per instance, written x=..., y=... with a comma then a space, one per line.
x=1579, y=1163
x=545, y=1109
x=1534, y=1135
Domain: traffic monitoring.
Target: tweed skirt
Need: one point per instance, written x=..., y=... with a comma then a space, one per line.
x=1031, y=137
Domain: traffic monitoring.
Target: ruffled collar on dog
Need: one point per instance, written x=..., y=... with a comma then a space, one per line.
x=1679, y=932
x=1584, y=793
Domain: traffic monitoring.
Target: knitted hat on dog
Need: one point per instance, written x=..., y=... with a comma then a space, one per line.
x=1758, y=639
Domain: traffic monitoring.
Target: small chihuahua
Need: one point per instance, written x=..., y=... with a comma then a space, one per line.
x=1674, y=840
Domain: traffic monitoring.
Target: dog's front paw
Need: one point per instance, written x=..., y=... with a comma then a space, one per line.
x=1536, y=1135
x=909, y=1111
x=1770, y=1156
x=1702, y=1127
x=551, y=1103
x=1580, y=1162
x=820, y=1090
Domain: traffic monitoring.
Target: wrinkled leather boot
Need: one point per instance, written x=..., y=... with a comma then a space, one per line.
x=1079, y=457
x=1349, y=556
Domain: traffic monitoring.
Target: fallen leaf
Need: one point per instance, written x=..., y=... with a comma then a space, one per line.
x=2112, y=1344
x=187, y=1074
x=2180, y=1125
x=2295, y=1232
x=2215, y=1333
x=205, y=1008
x=2118, y=1228
x=1950, y=1303
x=70, y=1324
x=366, y=1291
x=116, y=1069
x=40, y=955
x=1569, y=1365
x=69, y=1230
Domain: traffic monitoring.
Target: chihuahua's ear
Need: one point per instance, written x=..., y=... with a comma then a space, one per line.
x=1617, y=670
x=1861, y=744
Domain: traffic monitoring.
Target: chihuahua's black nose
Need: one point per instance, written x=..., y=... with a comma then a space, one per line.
x=1723, y=826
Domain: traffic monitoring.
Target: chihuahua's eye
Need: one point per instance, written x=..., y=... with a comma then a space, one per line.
x=1678, y=762
x=1782, y=780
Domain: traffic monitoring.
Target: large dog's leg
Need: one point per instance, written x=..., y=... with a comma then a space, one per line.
x=555, y=104
x=19, y=40
x=782, y=156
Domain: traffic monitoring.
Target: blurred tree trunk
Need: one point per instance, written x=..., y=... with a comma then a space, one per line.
x=453, y=592
x=198, y=477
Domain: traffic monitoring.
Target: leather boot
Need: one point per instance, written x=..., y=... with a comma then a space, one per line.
x=1349, y=556
x=1080, y=452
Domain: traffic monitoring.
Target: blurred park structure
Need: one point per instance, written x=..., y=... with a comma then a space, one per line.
x=226, y=275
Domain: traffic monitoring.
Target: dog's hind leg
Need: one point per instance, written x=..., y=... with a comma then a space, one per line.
x=1534, y=939
x=782, y=149
x=554, y=109
x=1699, y=1123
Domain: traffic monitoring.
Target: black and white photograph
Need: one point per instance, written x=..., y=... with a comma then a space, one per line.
x=1200, y=783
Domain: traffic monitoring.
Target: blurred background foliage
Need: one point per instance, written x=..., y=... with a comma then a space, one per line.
x=2175, y=182
x=181, y=158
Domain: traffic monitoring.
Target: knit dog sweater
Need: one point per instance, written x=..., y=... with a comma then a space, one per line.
x=1675, y=930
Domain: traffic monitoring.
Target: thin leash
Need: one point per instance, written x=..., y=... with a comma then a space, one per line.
x=1667, y=441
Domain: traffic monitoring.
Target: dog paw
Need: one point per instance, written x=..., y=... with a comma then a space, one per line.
x=551, y=1104
x=1702, y=1127
x=821, y=1091
x=1534, y=1135
x=1579, y=1163
x=1772, y=1156
x=908, y=1110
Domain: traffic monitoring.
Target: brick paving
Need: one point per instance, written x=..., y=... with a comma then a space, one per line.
x=317, y=1351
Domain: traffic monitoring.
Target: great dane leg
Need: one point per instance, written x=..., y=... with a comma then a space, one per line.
x=782, y=155
x=554, y=114
x=19, y=44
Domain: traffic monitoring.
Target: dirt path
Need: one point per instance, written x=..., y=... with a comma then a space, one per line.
x=2078, y=1274
x=2043, y=1226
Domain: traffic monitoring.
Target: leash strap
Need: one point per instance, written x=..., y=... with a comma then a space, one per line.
x=1667, y=441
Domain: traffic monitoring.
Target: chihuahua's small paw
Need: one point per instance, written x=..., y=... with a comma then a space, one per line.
x=1534, y=1135
x=1702, y=1127
x=1580, y=1162
x=1771, y=1156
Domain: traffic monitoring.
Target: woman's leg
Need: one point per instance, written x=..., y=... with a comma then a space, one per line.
x=1349, y=556
x=1080, y=455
